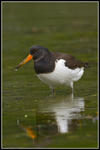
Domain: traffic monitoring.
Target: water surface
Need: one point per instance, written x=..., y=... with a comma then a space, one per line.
x=30, y=118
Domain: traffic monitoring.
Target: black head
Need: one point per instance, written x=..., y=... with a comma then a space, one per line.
x=43, y=59
x=38, y=51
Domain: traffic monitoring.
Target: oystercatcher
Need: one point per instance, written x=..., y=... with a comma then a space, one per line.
x=55, y=68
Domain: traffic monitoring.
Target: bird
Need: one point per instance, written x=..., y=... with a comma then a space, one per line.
x=55, y=68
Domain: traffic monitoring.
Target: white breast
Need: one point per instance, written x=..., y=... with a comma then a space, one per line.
x=61, y=74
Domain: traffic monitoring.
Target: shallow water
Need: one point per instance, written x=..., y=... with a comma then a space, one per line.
x=49, y=120
x=30, y=117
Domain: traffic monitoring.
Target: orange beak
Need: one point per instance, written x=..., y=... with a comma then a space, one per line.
x=27, y=59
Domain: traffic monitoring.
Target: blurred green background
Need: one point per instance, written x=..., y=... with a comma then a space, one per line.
x=69, y=27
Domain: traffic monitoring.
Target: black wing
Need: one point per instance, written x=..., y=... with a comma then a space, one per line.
x=71, y=61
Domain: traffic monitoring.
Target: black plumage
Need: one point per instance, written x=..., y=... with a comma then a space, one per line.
x=44, y=60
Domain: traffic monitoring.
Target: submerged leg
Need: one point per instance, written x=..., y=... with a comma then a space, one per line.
x=53, y=91
x=71, y=84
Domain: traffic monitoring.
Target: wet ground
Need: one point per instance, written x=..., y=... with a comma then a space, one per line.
x=30, y=117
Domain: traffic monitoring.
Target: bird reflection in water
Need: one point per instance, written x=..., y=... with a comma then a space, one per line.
x=60, y=112
x=66, y=110
x=28, y=129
